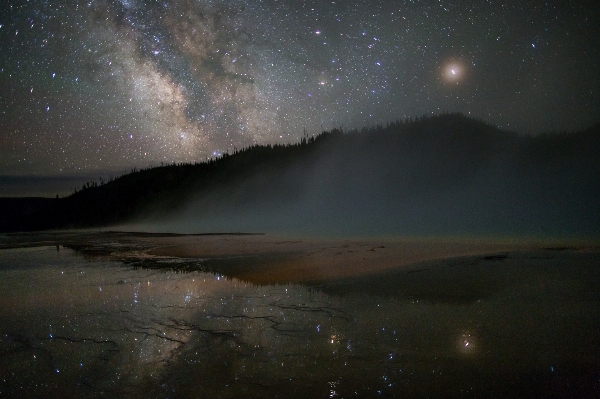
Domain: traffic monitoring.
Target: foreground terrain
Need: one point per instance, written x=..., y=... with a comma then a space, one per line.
x=100, y=314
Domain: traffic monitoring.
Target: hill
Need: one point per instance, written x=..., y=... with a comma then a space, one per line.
x=445, y=174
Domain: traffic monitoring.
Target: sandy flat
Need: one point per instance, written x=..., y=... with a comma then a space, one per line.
x=310, y=259
x=269, y=258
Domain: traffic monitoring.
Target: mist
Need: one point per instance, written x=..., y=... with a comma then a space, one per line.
x=445, y=175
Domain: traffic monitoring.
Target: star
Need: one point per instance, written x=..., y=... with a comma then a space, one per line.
x=188, y=79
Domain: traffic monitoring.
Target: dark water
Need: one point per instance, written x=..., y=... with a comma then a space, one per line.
x=521, y=325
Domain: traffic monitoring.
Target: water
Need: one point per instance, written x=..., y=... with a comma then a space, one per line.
x=72, y=325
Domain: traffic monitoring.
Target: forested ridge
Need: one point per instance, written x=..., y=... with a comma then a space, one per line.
x=432, y=174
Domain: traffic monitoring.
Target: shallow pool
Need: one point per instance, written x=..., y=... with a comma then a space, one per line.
x=72, y=325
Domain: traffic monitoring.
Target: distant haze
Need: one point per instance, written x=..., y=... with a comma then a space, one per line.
x=46, y=186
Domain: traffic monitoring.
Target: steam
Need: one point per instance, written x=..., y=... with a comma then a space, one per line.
x=430, y=178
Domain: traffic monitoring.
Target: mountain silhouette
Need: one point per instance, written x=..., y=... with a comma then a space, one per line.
x=445, y=174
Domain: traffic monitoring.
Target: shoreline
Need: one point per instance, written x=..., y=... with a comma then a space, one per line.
x=274, y=259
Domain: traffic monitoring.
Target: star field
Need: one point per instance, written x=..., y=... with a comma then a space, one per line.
x=109, y=85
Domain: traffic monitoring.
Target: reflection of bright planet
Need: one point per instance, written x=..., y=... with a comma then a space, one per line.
x=467, y=343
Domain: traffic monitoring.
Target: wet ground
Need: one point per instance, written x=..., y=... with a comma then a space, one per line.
x=100, y=315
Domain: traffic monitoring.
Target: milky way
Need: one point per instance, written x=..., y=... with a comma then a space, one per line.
x=109, y=85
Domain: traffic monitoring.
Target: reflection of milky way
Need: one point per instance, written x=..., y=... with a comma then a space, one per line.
x=77, y=326
x=112, y=84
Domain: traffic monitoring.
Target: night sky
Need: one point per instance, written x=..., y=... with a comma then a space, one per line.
x=90, y=86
